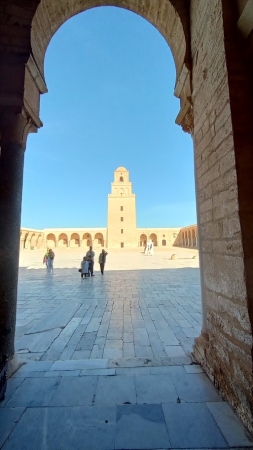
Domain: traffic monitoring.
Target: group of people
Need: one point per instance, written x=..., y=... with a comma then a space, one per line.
x=49, y=259
x=87, y=264
x=149, y=249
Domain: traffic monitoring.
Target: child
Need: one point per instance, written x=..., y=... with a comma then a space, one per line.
x=85, y=267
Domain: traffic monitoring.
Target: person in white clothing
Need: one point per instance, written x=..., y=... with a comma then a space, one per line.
x=85, y=267
x=150, y=247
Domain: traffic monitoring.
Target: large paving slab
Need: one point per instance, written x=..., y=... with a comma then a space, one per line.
x=58, y=318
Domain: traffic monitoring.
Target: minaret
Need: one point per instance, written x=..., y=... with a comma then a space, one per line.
x=121, y=212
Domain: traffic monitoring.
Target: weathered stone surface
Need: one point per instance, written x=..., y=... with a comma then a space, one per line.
x=58, y=318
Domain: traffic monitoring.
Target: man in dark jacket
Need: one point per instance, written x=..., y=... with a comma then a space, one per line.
x=102, y=260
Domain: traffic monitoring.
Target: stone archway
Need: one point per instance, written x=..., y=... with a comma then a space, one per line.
x=63, y=240
x=51, y=240
x=143, y=240
x=208, y=80
x=169, y=17
x=86, y=240
x=74, y=240
x=98, y=240
x=39, y=241
x=153, y=238
x=33, y=242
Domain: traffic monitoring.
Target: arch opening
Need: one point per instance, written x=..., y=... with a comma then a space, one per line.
x=33, y=242
x=51, y=240
x=98, y=240
x=63, y=240
x=86, y=240
x=74, y=240
x=153, y=238
x=143, y=240
x=169, y=17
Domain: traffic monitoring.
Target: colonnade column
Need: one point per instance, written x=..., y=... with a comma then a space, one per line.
x=13, y=132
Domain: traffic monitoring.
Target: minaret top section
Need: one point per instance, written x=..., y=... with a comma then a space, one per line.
x=121, y=175
x=121, y=186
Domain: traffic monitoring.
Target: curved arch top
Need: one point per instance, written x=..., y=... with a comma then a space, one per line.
x=170, y=17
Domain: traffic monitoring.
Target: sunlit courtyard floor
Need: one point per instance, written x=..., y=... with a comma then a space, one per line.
x=107, y=360
x=143, y=306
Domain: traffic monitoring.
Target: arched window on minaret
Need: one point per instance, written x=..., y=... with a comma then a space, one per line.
x=121, y=179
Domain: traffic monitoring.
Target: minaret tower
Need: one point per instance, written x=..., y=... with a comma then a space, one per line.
x=121, y=212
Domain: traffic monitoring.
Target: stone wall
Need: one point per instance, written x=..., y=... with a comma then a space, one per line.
x=225, y=346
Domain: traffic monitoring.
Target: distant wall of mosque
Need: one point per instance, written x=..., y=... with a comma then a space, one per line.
x=32, y=239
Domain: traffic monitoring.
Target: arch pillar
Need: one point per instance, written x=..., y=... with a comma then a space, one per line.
x=14, y=129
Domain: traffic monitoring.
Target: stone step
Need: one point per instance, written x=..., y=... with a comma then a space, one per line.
x=104, y=366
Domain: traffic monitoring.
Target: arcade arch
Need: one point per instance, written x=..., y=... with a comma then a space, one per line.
x=173, y=24
x=51, y=240
x=33, y=242
x=153, y=238
x=143, y=240
x=87, y=240
x=98, y=240
x=63, y=240
x=74, y=240
x=40, y=241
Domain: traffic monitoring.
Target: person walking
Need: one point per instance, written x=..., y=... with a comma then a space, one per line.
x=50, y=260
x=90, y=257
x=102, y=260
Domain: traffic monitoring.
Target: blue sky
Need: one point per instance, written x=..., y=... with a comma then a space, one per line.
x=111, y=78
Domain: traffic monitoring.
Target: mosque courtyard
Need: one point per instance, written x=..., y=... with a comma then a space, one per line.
x=107, y=360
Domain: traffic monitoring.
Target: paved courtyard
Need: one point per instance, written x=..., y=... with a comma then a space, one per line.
x=107, y=360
